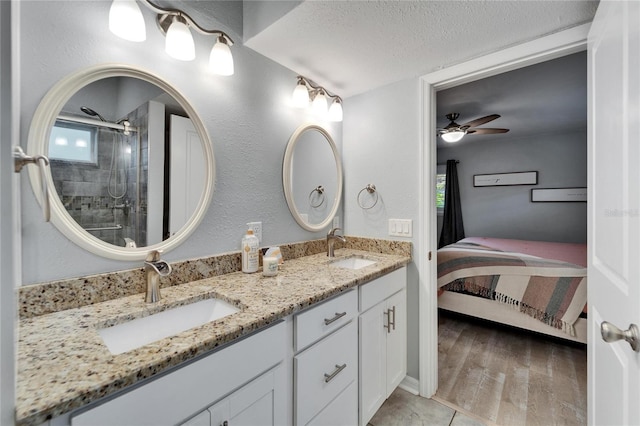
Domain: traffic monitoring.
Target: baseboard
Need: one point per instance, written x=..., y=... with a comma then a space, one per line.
x=410, y=384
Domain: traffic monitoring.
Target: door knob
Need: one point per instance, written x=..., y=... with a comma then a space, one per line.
x=611, y=333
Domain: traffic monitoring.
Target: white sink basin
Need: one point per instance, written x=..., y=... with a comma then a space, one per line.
x=352, y=263
x=142, y=331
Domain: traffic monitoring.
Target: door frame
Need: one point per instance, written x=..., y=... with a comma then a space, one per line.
x=542, y=49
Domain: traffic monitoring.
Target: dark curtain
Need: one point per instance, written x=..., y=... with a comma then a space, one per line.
x=452, y=227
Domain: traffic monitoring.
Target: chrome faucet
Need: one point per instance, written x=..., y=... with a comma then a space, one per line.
x=331, y=240
x=155, y=268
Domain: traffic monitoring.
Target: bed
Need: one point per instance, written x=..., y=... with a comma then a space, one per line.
x=534, y=285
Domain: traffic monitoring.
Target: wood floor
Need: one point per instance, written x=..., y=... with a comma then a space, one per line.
x=510, y=377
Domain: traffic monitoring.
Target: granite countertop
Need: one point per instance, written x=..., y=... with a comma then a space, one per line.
x=63, y=363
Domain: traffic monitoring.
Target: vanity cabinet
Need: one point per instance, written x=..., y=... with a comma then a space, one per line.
x=244, y=380
x=253, y=404
x=326, y=363
x=382, y=340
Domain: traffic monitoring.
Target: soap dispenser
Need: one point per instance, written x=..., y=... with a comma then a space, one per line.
x=250, y=249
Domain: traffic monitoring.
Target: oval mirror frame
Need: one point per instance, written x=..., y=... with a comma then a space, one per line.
x=287, y=178
x=38, y=141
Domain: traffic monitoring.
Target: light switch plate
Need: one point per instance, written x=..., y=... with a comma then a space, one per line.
x=401, y=228
x=336, y=222
x=257, y=229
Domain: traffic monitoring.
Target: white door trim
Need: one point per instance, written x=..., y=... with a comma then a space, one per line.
x=543, y=49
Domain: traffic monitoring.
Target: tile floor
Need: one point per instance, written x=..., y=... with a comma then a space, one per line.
x=405, y=409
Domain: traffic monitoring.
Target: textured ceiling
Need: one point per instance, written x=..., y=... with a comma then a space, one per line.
x=548, y=97
x=351, y=47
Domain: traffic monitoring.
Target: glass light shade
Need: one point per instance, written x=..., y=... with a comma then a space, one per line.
x=335, y=111
x=221, y=60
x=300, y=98
x=126, y=21
x=179, y=42
x=452, y=136
x=319, y=104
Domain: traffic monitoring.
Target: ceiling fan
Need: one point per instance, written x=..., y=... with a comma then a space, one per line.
x=453, y=132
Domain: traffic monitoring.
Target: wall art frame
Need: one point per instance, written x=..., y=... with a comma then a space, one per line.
x=506, y=179
x=559, y=195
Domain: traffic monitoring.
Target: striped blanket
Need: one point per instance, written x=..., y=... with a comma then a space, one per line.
x=551, y=291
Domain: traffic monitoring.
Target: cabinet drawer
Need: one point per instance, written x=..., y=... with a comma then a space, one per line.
x=324, y=370
x=379, y=289
x=315, y=323
x=342, y=411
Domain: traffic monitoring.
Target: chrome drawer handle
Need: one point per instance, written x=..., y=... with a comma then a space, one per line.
x=336, y=318
x=329, y=377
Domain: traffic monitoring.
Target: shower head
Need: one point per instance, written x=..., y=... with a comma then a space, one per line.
x=91, y=112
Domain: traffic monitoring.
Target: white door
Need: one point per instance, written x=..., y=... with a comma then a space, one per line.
x=187, y=172
x=614, y=210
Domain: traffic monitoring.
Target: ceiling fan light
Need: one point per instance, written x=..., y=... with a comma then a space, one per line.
x=221, y=60
x=452, y=136
x=179, y=42
x=126, y=20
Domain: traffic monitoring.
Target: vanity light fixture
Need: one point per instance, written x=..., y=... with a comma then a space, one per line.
x=126, y=21
x=306, y=90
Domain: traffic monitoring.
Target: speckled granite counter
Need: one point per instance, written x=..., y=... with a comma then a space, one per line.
x=63, y=363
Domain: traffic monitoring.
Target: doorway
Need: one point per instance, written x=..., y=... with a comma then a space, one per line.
x=540, y=50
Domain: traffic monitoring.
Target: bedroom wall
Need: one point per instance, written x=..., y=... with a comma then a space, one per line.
x=506, y=211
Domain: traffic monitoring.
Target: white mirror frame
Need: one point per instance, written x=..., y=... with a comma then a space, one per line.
x=38, y=142
x=287, y=178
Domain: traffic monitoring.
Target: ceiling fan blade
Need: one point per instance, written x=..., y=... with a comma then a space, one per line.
x=487, y=131
x=480, y=121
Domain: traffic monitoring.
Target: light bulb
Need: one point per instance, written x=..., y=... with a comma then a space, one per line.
x=221, y=60
x=126, y=21
x=319, y=104
x=179, y=43
x=335, y=110
x=300, y=98
x=452, y=136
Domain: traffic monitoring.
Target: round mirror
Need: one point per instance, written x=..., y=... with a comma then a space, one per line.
x=131, y=163
x=312, y=177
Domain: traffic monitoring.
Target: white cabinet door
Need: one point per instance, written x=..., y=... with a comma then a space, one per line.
x=373, y=361
x=396, y=341
x=251, y=405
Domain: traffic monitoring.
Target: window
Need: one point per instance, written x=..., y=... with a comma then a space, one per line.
x=73, y=142
x=441, y=183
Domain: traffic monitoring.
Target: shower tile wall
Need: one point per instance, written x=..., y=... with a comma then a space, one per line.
x=83, y=188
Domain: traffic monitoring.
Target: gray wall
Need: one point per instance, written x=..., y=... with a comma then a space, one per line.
x=247, y=116
x=381, y=147
x=506, y=211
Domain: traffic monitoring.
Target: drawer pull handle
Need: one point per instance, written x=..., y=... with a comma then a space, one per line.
x=335, y=318
x=329, y=377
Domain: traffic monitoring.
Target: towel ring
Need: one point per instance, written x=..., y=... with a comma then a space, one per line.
x=371, y=189
x=320, y=191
